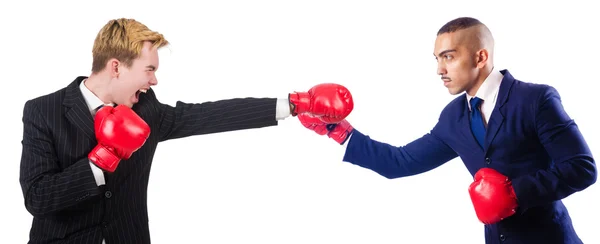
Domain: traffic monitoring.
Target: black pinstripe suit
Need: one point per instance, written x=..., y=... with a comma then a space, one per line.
x=57, y=182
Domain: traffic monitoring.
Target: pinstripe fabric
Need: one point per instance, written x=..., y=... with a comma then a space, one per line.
x=56, y=179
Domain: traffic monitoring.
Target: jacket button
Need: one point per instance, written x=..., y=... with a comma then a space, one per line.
x=108, y=194
x=488, y=161
x=502, y=237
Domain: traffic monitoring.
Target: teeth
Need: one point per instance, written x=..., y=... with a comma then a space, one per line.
x=143, y=90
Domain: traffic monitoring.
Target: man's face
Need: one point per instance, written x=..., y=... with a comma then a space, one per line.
x=456, y=63
x=137, y=78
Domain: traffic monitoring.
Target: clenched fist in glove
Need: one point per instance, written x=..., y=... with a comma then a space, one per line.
x=331, y=103
x=120, y=132
x=493, y=196
x=338, y=132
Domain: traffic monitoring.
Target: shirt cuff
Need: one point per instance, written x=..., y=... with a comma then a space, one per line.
x=282, y=109
x=98, y=174
x=345, y=145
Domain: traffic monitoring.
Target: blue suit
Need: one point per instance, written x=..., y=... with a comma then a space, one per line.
x=530, y=139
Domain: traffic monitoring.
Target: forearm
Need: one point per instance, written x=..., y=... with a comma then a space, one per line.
x=46, y=186
x=51, y=191
x=187, y=119
x=556, y=183
x=421, y=155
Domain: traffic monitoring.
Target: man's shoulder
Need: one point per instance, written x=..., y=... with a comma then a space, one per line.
x=455, y=107
x=54, y=97
x=529, y=91
x=47, y=98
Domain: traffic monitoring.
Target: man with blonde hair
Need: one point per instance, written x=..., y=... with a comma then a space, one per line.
x=88, y=148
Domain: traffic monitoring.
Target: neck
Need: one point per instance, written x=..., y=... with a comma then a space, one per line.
x=99, y=86
x=483, y=74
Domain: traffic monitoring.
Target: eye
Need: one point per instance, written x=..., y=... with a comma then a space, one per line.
x=448, y=56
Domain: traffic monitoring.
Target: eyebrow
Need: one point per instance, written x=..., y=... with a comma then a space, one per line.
x=444, y=52
x=152, y=67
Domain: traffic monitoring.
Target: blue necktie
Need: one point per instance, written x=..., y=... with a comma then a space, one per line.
x=477, y=125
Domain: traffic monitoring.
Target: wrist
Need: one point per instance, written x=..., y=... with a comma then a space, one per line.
x=340, y=132
x=299, y=102
x=103, y=158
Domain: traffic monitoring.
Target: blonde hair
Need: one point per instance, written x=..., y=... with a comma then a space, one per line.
x=123, y=40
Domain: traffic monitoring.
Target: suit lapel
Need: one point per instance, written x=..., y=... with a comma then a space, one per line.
x=77, y=110
x=496, y=121
x=497, y=118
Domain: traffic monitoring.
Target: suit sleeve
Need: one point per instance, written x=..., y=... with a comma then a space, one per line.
x=48, y=188
x=188, y=119
x=418, y=156
x=573, y=169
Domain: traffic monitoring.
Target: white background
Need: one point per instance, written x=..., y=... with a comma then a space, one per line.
x=285, y=184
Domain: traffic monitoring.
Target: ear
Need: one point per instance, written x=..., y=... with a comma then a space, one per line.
x=481, y=58
x=113, y=67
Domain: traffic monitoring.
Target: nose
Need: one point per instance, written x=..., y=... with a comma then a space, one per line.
x=441, y=68
x=153, y=81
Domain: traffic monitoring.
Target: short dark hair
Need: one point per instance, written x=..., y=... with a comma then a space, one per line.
x=459, y=24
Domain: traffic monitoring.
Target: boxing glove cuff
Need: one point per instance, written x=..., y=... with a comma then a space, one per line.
x=104, y=158
x=300, y=102
x=340, y=132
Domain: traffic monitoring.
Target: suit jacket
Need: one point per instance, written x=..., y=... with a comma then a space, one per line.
x=529, y=138
x=55, y=175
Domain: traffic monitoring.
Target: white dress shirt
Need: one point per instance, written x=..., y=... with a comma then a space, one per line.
x=488, y=92
x=93, y=103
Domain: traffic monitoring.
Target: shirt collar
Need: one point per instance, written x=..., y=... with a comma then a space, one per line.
x=92, y=101
x=488, y=88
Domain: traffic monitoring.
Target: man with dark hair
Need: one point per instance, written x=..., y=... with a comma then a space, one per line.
x=460, y=24
x=525, y=153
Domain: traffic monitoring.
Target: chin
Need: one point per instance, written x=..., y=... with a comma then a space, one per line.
x=126, y=104
x=454, y=91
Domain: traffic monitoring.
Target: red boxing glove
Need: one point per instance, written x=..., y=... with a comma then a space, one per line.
x=120, y=132
x=332, y=103
x=338, y=132
x=493, y=196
